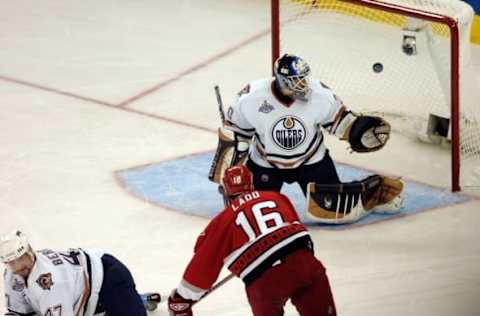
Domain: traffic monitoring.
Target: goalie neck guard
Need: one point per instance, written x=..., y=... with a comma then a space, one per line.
x=236, y=181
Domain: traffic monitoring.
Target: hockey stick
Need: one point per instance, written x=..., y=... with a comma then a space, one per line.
x=222, y=143
x=213, y=288
x=216, y=286
x=220, y=103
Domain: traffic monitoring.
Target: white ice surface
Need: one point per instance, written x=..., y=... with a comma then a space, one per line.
x=59, y=150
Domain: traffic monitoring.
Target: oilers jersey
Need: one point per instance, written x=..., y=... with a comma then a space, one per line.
x=285, y=135
x=60, y=283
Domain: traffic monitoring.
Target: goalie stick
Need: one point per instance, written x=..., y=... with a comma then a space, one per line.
x=220, y=103
x=222, y=143
x=230, y=151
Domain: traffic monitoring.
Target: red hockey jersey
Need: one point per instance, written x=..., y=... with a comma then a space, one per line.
x=254, y=232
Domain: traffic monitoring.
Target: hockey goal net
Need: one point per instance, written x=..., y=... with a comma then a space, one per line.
x=407, y=60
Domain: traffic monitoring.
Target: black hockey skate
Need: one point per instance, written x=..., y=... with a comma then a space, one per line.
x=151, y=300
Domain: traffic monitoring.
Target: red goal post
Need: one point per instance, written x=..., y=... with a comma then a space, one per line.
x=279, y=22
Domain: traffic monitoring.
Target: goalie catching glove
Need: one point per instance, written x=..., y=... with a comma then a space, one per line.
x=368, y=133
x=364, y=133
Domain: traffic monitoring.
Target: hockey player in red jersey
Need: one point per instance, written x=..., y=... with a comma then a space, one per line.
x=260, y=239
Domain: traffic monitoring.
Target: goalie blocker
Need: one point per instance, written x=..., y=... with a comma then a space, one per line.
x=230, y=151
x=348, y=202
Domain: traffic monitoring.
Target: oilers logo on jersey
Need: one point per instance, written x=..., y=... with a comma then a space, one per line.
x=45, y=281
x=289, y=132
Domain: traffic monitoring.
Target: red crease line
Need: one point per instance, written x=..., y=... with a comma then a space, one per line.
x=103, y=103
x=56, y=91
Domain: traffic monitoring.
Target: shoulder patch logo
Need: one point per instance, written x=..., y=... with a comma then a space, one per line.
x=266, y=107
x=18, y=285
x=45, y=281
x=230, y=112
x=245, y=90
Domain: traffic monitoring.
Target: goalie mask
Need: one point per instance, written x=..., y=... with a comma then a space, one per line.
x=236, y=181
x=291, y=73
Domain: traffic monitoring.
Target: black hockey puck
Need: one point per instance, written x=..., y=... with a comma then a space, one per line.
x=377, y=67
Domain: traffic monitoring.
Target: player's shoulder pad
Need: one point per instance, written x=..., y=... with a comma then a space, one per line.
x=245, y=90
x=277, y=195
x=321, y=90
x=257, y=88
x=13, y=281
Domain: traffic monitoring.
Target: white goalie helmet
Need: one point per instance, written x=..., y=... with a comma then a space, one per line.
x=13, y=245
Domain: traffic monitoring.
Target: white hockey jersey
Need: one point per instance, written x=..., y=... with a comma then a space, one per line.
x=284, y=136
x=60, y=284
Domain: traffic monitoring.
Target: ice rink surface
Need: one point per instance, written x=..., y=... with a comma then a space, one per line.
x=91, y=88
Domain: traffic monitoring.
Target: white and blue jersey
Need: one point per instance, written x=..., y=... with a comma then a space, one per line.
x=283, y=135
x=60, y=283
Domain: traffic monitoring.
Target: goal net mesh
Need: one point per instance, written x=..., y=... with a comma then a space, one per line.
x=391, y=65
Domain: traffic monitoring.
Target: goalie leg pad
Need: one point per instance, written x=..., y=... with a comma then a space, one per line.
x=389, y=197
x=348, y=202
x=336, y=203
x=383, y=193
x=392, y=207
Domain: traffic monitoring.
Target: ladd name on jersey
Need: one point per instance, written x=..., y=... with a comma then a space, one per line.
x=239, y=202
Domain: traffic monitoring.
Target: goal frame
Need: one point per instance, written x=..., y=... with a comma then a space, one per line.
x=454, y=64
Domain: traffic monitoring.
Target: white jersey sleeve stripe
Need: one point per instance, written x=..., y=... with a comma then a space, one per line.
x=189, y=291
x=246, y=132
